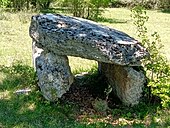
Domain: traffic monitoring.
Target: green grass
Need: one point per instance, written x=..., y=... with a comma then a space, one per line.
x=15, y=41
x=32, y=111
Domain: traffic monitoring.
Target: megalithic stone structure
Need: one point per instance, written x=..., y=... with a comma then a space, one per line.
x=57, y=36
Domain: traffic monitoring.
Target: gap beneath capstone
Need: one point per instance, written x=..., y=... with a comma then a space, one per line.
x=79, y=65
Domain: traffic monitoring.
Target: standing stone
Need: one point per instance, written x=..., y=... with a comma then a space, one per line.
x=127, y=82
x=54, y=75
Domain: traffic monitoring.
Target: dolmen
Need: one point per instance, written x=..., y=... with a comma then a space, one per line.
x=118, y=55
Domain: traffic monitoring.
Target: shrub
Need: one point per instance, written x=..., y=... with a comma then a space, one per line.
x=89, y=9
x=148, y=4
x=165, y=4
x=18, y=5
x=156, y=67
x=3, y=3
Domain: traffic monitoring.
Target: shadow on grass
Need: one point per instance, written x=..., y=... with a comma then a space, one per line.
x=17, y=76
x=166, y=11
x=30, y=109
x=110, y=20
x=49, y=10
x=71, y=111
x=54, y=10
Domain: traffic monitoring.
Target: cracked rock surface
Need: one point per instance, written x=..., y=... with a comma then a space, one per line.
x=54, y=75
x=126, y=82
x=71, y=36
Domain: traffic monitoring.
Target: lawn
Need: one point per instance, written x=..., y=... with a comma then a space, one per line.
x=74, y=110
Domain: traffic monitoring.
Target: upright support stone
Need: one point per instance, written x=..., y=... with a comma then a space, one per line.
x=127, y=83
x=54, y=75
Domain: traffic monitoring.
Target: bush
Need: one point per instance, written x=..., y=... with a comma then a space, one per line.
x=89, y=9
x=156, y=67
x=3, y=3
x=148, y=4
x=165, y=4
x=18, y=5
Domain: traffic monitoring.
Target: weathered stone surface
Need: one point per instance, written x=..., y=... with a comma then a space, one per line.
x=36, y=52
x=65, y=35
x=127, y=82
x=55, y=37
x=54, y=75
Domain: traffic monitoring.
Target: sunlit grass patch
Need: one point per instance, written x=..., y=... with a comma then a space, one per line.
x=162, y=117
x=27, y=107
x=5, y=95
x=17, y=76
x=15, y=41
x=79, y=65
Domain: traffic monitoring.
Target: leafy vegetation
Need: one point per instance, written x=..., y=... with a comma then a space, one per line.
x=156, y=67
x=147, y=4
x=89, y=9
x=18, y=5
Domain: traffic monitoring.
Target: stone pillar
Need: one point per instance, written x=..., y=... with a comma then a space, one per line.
x=127, y=83
x=54, y=75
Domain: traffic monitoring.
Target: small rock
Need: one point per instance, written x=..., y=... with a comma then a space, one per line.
x=23, y=91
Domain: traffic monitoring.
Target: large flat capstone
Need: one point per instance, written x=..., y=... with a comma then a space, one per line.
x=72, y=36
x=56, y=36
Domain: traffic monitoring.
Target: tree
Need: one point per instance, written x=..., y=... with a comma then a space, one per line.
x=25, y=4
x=89, y=9
x=165, y=4
x=44, y=4
x=3, y=3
